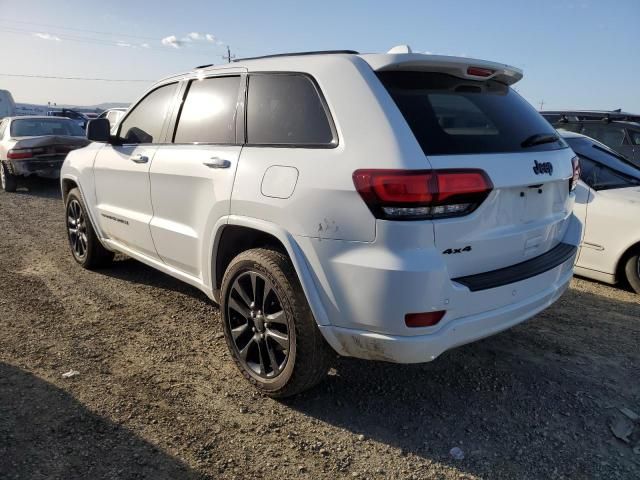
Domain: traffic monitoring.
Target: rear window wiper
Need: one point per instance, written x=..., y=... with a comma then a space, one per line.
x=539, y=139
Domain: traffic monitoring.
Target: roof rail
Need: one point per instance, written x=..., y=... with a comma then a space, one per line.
x=299, y=54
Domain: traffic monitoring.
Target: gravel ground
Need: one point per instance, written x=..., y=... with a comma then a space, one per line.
x=157, y=395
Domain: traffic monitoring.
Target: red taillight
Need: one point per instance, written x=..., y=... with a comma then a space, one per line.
x=479, y=72
x=575, y=161
x=19, y=154
x=427, y=319
x=421, y=194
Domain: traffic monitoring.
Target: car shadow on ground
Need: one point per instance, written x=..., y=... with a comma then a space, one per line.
x=133, y=271
x=531, y=401
x=46, y=433
x=40, y=187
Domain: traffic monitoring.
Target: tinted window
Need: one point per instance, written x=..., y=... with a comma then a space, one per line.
x=33, y=127
x=286, y=109
x=144, y=123
x=450, y=116
x=635, y=137
x=610, y=135
x=208, y=113
x=588, y=148
x=599, y=177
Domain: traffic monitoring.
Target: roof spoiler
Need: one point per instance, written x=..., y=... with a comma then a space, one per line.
x=462, y=67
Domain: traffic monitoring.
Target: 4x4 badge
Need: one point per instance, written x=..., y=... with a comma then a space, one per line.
x=544, y=167
x=451, y=251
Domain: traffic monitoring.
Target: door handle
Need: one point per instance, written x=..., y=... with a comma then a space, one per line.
x=216, y=162
x=139, y=158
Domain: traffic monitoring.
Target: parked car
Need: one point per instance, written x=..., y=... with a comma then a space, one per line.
x=33, y=145
x=608, y=204
x=114, y=115
x=390, y=206
x=80, y=118
x=620, y=131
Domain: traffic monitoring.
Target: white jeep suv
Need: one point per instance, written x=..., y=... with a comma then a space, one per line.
x=386, y=206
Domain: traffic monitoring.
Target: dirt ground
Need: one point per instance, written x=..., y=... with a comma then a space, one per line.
x=157, y=395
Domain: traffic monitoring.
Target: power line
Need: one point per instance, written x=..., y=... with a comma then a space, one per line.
x=48, y=25
x=74, y=78
x=111, y=43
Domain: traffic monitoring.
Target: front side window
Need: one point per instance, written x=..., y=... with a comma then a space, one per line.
x=144, y=123
x=208, y=113
x=35, y=127
x=286, y=109
x=635, y=137
x=450, y=115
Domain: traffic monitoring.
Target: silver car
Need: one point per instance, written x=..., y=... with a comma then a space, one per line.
x=34, y=145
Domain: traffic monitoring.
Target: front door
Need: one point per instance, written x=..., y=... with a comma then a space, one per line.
x=122, y=172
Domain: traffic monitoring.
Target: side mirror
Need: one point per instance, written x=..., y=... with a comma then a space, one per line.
x=99, y=130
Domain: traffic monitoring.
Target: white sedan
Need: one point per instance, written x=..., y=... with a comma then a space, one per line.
x=608, y=203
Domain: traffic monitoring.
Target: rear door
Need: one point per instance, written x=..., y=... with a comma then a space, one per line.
x=122, y=172
x=465, y=124
x=191, y=178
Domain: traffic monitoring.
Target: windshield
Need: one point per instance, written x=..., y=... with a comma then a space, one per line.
x=449, y=115
x=34, y=127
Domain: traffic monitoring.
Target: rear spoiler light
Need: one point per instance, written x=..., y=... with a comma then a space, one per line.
x=422, y=194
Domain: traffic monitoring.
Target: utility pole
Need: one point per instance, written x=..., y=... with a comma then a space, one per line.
x=541, y=104
x=228, y=57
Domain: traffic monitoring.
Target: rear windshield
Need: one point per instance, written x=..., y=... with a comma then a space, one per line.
x=451, y=116
x=45, y=126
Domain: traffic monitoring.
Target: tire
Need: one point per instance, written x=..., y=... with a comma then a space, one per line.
x=85, y=245
x=632, y=271
x=8, y=181
x=255, y=331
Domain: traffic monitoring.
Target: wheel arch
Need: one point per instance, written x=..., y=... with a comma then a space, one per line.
x=66, y=185
x=242, y=233
x=622, y=260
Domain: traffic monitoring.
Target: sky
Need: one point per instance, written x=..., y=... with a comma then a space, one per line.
x=574, y=53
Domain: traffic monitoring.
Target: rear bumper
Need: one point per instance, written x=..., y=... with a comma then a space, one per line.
x=367, y=289
x=424, y=348
x=45, y=168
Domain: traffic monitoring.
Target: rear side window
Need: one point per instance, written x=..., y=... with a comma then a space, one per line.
x=209, y=112
x=286, y=109
x=450, y=116
x=144, y=123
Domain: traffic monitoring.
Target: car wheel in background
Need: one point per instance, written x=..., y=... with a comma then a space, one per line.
x=268, y=325
x=632, y=271
x=85, y=244
x=8, y=181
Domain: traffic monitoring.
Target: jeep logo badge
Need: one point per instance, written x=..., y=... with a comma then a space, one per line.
x=544, y=167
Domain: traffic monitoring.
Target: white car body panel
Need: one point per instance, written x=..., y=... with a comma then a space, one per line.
x=611, y=228
x=188, y=199
x=360, y=275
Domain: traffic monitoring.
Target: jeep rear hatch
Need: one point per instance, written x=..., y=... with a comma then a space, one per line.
x=468, y=125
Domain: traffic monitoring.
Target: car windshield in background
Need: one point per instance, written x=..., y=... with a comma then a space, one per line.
x=35, y=127
x=450, y=116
